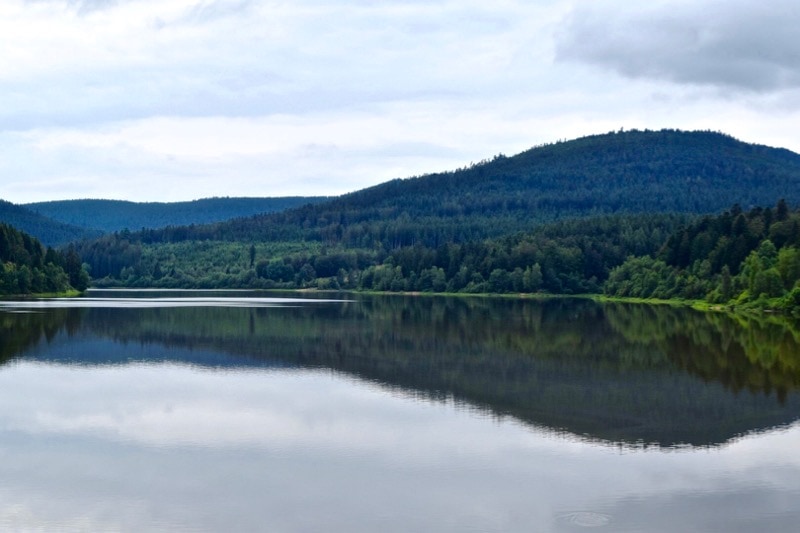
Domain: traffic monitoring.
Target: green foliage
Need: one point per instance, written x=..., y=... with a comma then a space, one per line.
x=788, y=265
x=205, y=264
x=46, y=230
x=638, y=256
x=573, y=256
x=728, y=258
x=116, y=215
x=557, y=218
x=625, y=172
x=27, y=267
x=640, y=277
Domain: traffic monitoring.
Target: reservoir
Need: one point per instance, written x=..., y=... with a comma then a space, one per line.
x=240, y=411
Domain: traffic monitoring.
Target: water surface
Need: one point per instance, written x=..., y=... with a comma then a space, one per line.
x=140, y=411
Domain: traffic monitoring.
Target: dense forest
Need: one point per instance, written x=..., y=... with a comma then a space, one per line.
x=630, y=214
x=116, y=215
x=664, y=171
x=748, y=257
x=27, y=267
x=739, y=257
x=566, y=257
x=48, y=231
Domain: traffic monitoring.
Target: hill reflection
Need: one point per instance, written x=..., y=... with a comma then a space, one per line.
x=629, y=374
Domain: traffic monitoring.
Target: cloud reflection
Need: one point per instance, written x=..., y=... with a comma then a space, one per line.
x=137, y=447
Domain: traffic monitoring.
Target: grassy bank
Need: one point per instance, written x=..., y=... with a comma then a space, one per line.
x=65, y=294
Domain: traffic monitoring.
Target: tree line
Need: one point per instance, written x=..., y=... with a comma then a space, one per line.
x=745, y=258
x=26, y=266
x=738, y=257
x=566, y=257
x=628, y=172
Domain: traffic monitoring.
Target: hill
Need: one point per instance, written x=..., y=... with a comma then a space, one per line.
x=50, y=232
x=117, y=215
x=624, y=172
x=27, y=267
x=748, y=258
x=487, y=228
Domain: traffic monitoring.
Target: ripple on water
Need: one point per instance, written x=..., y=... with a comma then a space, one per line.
x=586, y=519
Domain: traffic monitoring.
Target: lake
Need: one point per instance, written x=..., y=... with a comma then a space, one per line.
x=237, y=411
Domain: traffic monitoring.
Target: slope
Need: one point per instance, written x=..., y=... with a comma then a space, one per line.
x=623, y=172
x=50, y=232
x=117, y=215
x=27, y=267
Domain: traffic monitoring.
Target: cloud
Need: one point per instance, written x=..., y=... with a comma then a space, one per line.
x=276, y=155
x=233, y=97
x=743, y=45
x=142, y=58
x=81, y=7
x=178, y=99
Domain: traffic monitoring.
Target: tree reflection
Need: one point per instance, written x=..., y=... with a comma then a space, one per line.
x=632, y=374
x=757, y=354
x=21, y=331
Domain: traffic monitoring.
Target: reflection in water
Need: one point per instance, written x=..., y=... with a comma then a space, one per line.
x=621, y=373
x=308, y=418
x=170, y=447
x=20, y=330
x=758, y=354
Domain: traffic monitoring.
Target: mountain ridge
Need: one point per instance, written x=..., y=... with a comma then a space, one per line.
x=50, y=232
x=117, y=215
x=666, y=171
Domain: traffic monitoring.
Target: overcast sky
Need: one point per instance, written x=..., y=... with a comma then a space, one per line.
x=166, y=100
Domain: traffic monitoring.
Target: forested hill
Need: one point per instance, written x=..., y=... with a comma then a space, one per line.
x=117, y=215
x=623, y=172
x=27, y=267
x=50, y=232
x=742, y=258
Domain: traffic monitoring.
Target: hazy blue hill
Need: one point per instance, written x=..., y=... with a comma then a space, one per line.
x=50, y=232
x=116, y=215
x=623, y=172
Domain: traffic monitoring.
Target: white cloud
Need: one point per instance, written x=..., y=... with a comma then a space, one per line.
x=740, y=44
x=175, y=99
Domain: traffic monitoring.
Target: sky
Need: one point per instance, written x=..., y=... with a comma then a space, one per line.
x=170, y=100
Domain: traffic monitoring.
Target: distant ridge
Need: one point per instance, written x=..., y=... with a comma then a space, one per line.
x=50, y=232
x=645, y=172
x=117, y=215
x=667, y=171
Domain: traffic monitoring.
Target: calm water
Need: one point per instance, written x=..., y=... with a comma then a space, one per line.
x=138, y=411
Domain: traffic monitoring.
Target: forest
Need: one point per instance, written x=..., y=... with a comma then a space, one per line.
x=46, y=230
x=27, y=267
x=748, y=258
x=625, y=214
x=566, y=257
x=116, y=215
x=739, y=257
x=631, y=172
